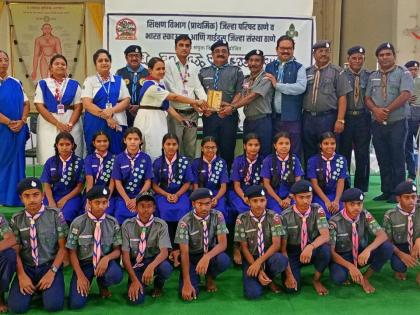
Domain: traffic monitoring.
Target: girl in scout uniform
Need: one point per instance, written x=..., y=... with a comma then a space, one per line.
x=41, y=234
x=259, y=231
x=105, y=98
x=349, y=239
x=210, y=171
x=145, y=250
x=280, y=171
x=98, y=167
x=172, y=178
x=7, y=260
x=57, y=99
x=327, y=172
x=202, y=238
x=306, y=238
x=63, y=178
x=246, y=170
x=94, y=244
x=132, y=173
x=402, y=225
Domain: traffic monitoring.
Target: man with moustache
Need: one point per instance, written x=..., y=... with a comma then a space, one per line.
x=324, y=101
x=288, y=78
x=356, y=136
x=225, y=81
x=388, y=91
x=133, y=73
x=256, y=97
x=181, y=77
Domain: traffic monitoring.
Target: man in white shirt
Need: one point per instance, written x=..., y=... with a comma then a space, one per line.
x=181, y=77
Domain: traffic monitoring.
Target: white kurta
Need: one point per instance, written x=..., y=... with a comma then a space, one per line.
x=152, y=123
x=46, y=132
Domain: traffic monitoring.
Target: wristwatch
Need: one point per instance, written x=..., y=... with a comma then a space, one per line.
x=341, y=121
x=54, y=269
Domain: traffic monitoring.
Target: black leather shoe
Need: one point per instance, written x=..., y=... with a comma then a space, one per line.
x=382, y=197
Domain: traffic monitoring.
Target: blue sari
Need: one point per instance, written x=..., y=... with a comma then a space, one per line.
x=12, y=145
x=92, y=124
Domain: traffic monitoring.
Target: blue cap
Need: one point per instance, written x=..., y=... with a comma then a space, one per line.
x=98, y=191
x=405, y=187
x=383, y=46
x=255, y=191
x=412, y=63
x=147, y=195
x=321, y=44
x=28, y=183
x=219, y=43
x=132, y=49
x=201, y=193
x=352, y=194
x=356, y=50
x=302, y=186
x=255, y=52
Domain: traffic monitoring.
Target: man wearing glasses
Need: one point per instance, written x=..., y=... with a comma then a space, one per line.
x=288, y=77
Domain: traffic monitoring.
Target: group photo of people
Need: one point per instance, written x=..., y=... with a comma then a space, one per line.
x=149, y=170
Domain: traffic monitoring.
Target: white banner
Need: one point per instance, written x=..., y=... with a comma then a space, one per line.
x=156, y=33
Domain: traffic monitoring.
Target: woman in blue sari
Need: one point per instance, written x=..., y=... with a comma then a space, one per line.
x=105, y=98
x=14, y=110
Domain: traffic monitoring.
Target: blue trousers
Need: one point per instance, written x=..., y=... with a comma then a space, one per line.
x=377, y=259
x=52, y=298
x=113, y=275
x=274, y=266
x=7, y=268
x=389, y=142
x=356, y=136
x=321, y=257
x=294, y=128
x=312, y=128
x=224, y=130
x=217, y=265
x=396, y=263
x=162, y=273
x=263, y=128
x=413, y=126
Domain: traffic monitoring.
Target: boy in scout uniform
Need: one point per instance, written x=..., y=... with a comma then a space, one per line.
x=40, y=237
x=350, y=250
x=7, y=259
x=402, y=224
x=258, y=231
x=306, y=238
x=94, y=242
x=201, y=235
x=145, y=246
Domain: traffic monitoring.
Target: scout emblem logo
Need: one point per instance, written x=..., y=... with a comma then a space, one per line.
x=126, y=29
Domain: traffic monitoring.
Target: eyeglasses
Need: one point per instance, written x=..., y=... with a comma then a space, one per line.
x=286, y=48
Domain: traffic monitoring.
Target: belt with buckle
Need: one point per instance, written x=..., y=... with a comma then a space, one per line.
x=356, y=112
x=318, y=114
x=185, y=111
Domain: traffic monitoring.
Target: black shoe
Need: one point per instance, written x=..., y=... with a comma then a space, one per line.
x=392, y=199
x=382, y=197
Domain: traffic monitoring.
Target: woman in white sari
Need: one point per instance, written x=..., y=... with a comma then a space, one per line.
x=57, y=99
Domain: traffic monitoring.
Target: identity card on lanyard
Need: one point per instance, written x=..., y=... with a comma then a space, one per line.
x=108, y=103
x=59, y=91
x=184, y=77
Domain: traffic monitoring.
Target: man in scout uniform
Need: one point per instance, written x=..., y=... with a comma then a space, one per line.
x=324, y=101
x=7, y=259
x=145, y=245
x=350, y=250
x=133, y=74
x=413, y=119
x=201, y=235
x=356, y=136
x=222, y=83
x=40, y=237
x=387, y=95
x=257, y=93
x=94, y=242
x=306, y=238
x=258, y=231
x=402, y=224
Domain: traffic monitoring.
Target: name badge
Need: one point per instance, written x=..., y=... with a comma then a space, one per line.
x=60, y=109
